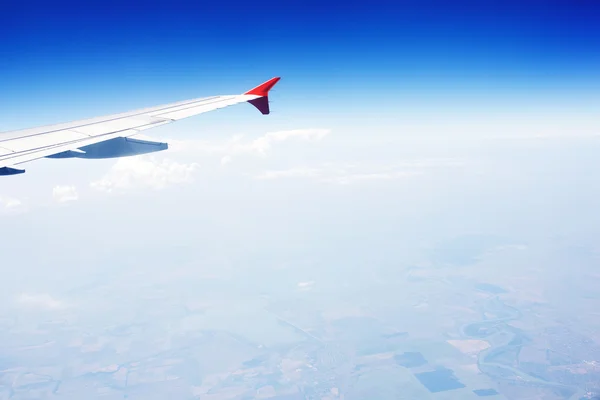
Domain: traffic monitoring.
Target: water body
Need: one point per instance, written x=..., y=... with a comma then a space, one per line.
x=397, y=335
x=440, y=380
x=488, y=287
x=506, y=341
x=485, y=392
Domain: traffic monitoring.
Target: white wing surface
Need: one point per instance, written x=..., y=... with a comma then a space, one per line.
x=110, y=136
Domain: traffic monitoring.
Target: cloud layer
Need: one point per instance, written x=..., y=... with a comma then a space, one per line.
x=63, y=194
x=40, y=301
x=238, y=145
x=350, y=173
x=9, y=203
x=142, y=172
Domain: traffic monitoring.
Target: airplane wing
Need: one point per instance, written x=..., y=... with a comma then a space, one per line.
x=110, y=136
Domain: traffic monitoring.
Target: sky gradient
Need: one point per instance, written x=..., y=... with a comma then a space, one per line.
x=387, y=79
x=400, y=134
x=68, y=60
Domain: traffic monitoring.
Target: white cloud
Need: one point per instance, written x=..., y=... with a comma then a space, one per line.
x=333, y=176
x=9, y=202
x=304, y=286
x=348, y=174
x=142, y=172
x=376, y=176
x=40, y=300
x=237, y=145
x=225, y=160
x=298, y=172
x=264, y=143
x=63, y=194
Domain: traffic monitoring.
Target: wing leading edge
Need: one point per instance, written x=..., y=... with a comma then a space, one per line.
x=110, y=136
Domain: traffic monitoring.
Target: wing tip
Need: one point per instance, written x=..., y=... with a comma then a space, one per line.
x=262, y=90
x=262, y=103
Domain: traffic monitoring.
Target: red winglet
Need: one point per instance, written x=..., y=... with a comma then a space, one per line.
x=262, y=103
x=263, y=89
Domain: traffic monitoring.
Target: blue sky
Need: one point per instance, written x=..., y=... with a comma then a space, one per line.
x=69, y=59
